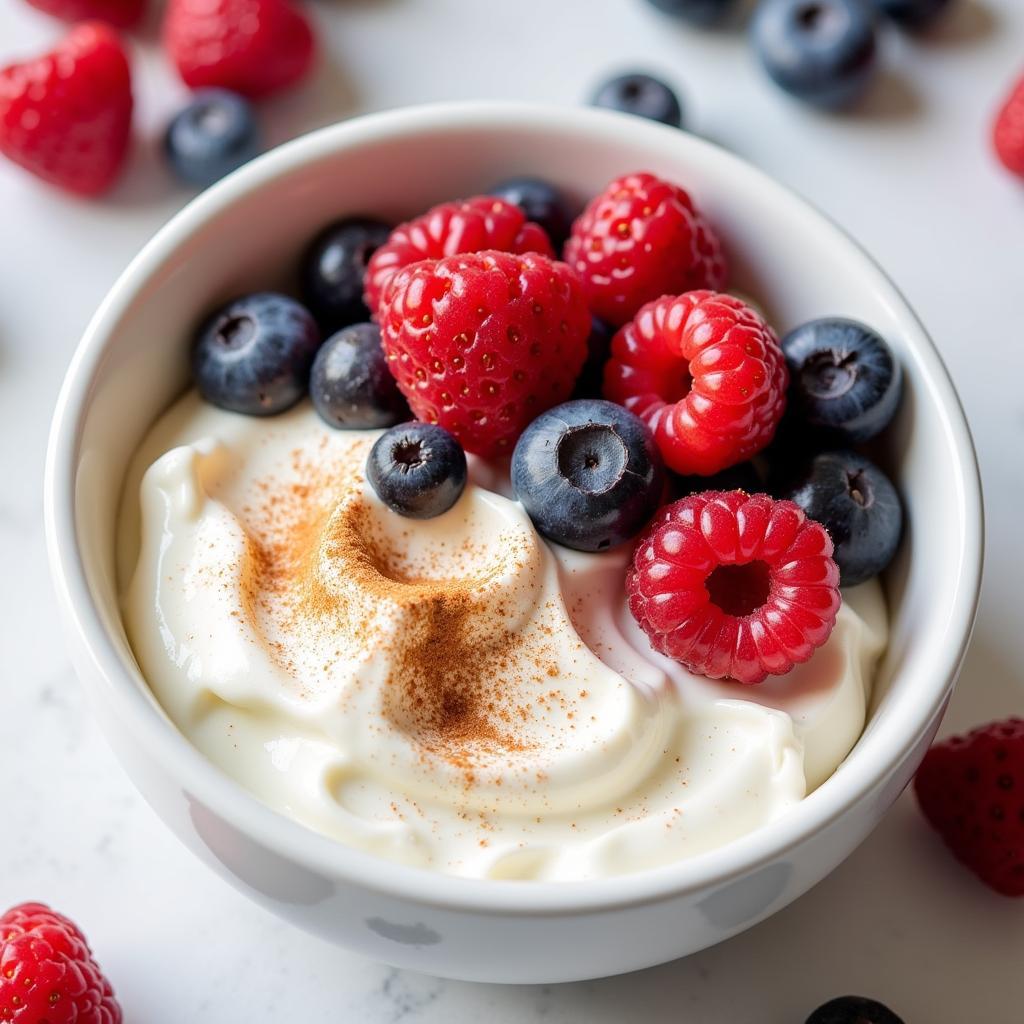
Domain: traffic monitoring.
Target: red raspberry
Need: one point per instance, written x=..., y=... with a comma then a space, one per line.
x=971, y=789
x=483, y=342
x=66, y=116
x=47, y=972
x=732, y=585
x=1008, y=132
x=707, y=375
x=638, y=240
x=120, y=13
x=255, y=47
x=468, y=225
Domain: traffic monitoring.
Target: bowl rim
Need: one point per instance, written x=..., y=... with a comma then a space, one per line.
x=890, y=741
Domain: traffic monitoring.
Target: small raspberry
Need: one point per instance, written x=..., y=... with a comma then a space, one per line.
x=119, y=13
x=66, y=116
x=254, y=47
x=482, y=343
x=971, y=790
x=638, y=240
x=707, y=375
x=47, y=971
x=735, y=586
x=1008, y=132
x=468, y=225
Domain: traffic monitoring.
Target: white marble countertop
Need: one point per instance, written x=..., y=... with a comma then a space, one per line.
x=910, y=175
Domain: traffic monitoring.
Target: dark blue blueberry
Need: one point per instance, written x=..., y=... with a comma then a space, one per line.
x=821, y=51
x=588, y=473
x=858, y=505
x=253, y=355
x=216, y=133
x=853, y=1010
x=742, y=477
x=913, y=14
x=642, y=95
x=541, y=202
x=591, y=379
x=417, y=469
x=697, y=12
x=845, y=382
x=333, y=269
x=351, y=385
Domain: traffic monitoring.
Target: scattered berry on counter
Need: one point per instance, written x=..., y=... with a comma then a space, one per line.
x=742, y=477
x=482, y=343
x=734, y=586
x=590, y=382
x=541, y=202
x=66, y=116
x=417, y=469
x=350, y=383
x=468, y=225
x=853, y=1010
x=820, y=51
x=858, y=505
x=639, y=239
x=119, y=13
x=914, y=14
x=641, y=95
x=588, y=474
x=215, y=134
x=845, y=382
x=333, y=269
x=969, y=788
x=253, y=47
x=254, y=355
x=1008, y=131
x=697, y=12
x=706, y=373
x=47, y=971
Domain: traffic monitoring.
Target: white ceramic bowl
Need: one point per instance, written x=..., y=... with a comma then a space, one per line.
x=240, y=234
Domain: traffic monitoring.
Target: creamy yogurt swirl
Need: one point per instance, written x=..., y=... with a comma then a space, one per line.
x=451, y=693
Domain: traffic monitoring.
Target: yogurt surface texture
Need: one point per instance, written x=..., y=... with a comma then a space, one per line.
x=452, y=693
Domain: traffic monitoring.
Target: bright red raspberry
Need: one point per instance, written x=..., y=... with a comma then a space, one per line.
x=66, y=116
x=971, y=790
x=732, y=585
x=467, y=225
x=119, y=13
x=255, y=47
x=638, y=240
x=483, y=342
x=707, y=375
x=47, y=972
x=1008, y=132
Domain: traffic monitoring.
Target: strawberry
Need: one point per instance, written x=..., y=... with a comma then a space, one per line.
x=119, y=13
x=1008, y=131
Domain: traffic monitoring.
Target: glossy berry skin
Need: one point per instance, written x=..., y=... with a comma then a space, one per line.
x=845, y=382
x=47, y=971
x=66, y=116
x=119, y=13
x=417, y=469
x=350, y=383
x=254, y=355
x=1008, y=131
x=641, y=95
x=706, y=373
x=696, y=12
x=640, y=239
x=853, y=1010
x=482, y=343
x=214, y=135
x=588, y=473
x=252, y=47
x=823, y=52
x=541, y=202
x=333, y=269
x=733, y=585
x=468, y=225
x=914, y=14
x=969, y=788
x=858, y=505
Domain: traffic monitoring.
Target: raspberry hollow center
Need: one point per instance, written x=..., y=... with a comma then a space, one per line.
x=739, y=590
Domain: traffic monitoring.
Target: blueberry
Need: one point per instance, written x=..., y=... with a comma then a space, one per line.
x=541, y=202
x=821, y=51
x=351, y=385
x=253, y=355
x=216, y=133
x=599, y=346
x=845, y=382
x=333, y=269
x=642, y=95
x=697, y=12
x=853, y=1010
x=588, y=473
x=913, y=14
x=858, y=505
x=741, y=477
x=417, y=469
